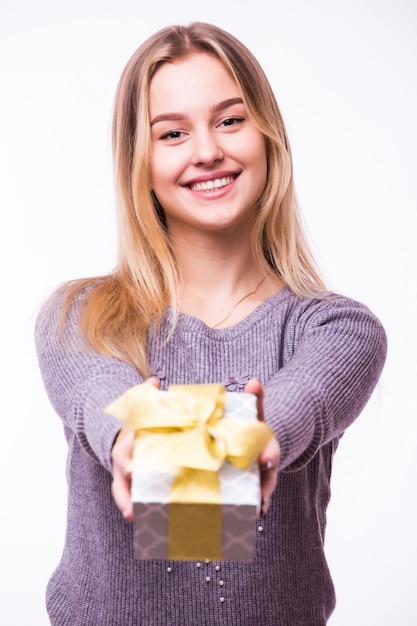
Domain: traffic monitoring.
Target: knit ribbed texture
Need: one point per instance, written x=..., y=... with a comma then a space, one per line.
x=319, y=361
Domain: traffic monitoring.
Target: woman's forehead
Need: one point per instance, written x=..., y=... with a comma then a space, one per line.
x=191, y=81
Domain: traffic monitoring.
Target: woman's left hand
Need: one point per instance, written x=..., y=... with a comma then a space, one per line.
x=269, y=457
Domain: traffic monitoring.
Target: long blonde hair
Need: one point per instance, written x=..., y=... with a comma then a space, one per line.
x=120, y=308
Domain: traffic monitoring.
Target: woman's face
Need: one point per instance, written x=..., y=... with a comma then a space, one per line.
x=208, y=160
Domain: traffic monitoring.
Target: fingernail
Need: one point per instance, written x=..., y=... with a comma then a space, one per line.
x=267, y=465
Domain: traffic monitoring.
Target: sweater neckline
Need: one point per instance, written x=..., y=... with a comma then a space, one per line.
x=195, y=324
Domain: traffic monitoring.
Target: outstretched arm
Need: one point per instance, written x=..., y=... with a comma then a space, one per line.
x=339, y=349
x=79, y=382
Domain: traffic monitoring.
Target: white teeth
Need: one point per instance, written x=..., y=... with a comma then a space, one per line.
x=209, y=185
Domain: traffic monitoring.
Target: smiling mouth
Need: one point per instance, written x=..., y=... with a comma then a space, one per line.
x=213, y=185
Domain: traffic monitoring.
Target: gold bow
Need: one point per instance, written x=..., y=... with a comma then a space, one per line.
x=190, y=429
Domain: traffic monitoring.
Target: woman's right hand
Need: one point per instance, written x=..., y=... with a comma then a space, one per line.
x=122, y=455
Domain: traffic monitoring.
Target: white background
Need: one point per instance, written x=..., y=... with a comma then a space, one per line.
x=344, y=73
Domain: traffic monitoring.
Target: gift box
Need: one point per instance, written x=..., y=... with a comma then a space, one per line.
x=195, y=475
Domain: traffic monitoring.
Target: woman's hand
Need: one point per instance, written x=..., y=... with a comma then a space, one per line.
x=269, y=457
x=122, y=454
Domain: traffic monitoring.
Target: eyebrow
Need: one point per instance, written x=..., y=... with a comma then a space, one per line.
x=220, y=106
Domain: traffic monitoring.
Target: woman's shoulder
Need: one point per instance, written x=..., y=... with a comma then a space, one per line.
x=327, y=311
x=321, y=302
x=66, y=295
x=61, y=310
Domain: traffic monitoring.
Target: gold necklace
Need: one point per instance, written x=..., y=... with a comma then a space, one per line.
x=251, y=293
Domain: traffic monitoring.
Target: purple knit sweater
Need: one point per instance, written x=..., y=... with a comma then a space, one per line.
x=319, y=361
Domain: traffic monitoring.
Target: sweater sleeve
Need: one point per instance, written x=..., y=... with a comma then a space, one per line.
x=80, y=383
x=339, y=349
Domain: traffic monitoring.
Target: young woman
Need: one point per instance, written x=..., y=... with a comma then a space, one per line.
x=214, y=283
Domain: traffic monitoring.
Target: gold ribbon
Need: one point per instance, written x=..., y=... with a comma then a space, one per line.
x=182, y=432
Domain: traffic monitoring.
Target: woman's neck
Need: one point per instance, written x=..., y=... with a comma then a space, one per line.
x=222, y=284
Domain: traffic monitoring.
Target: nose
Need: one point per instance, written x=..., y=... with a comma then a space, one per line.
x=206, y=148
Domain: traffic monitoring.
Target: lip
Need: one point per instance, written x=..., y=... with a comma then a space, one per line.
x=203, y=178
x=203, y=191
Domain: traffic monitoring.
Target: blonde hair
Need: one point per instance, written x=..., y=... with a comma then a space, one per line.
x=120, y=308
